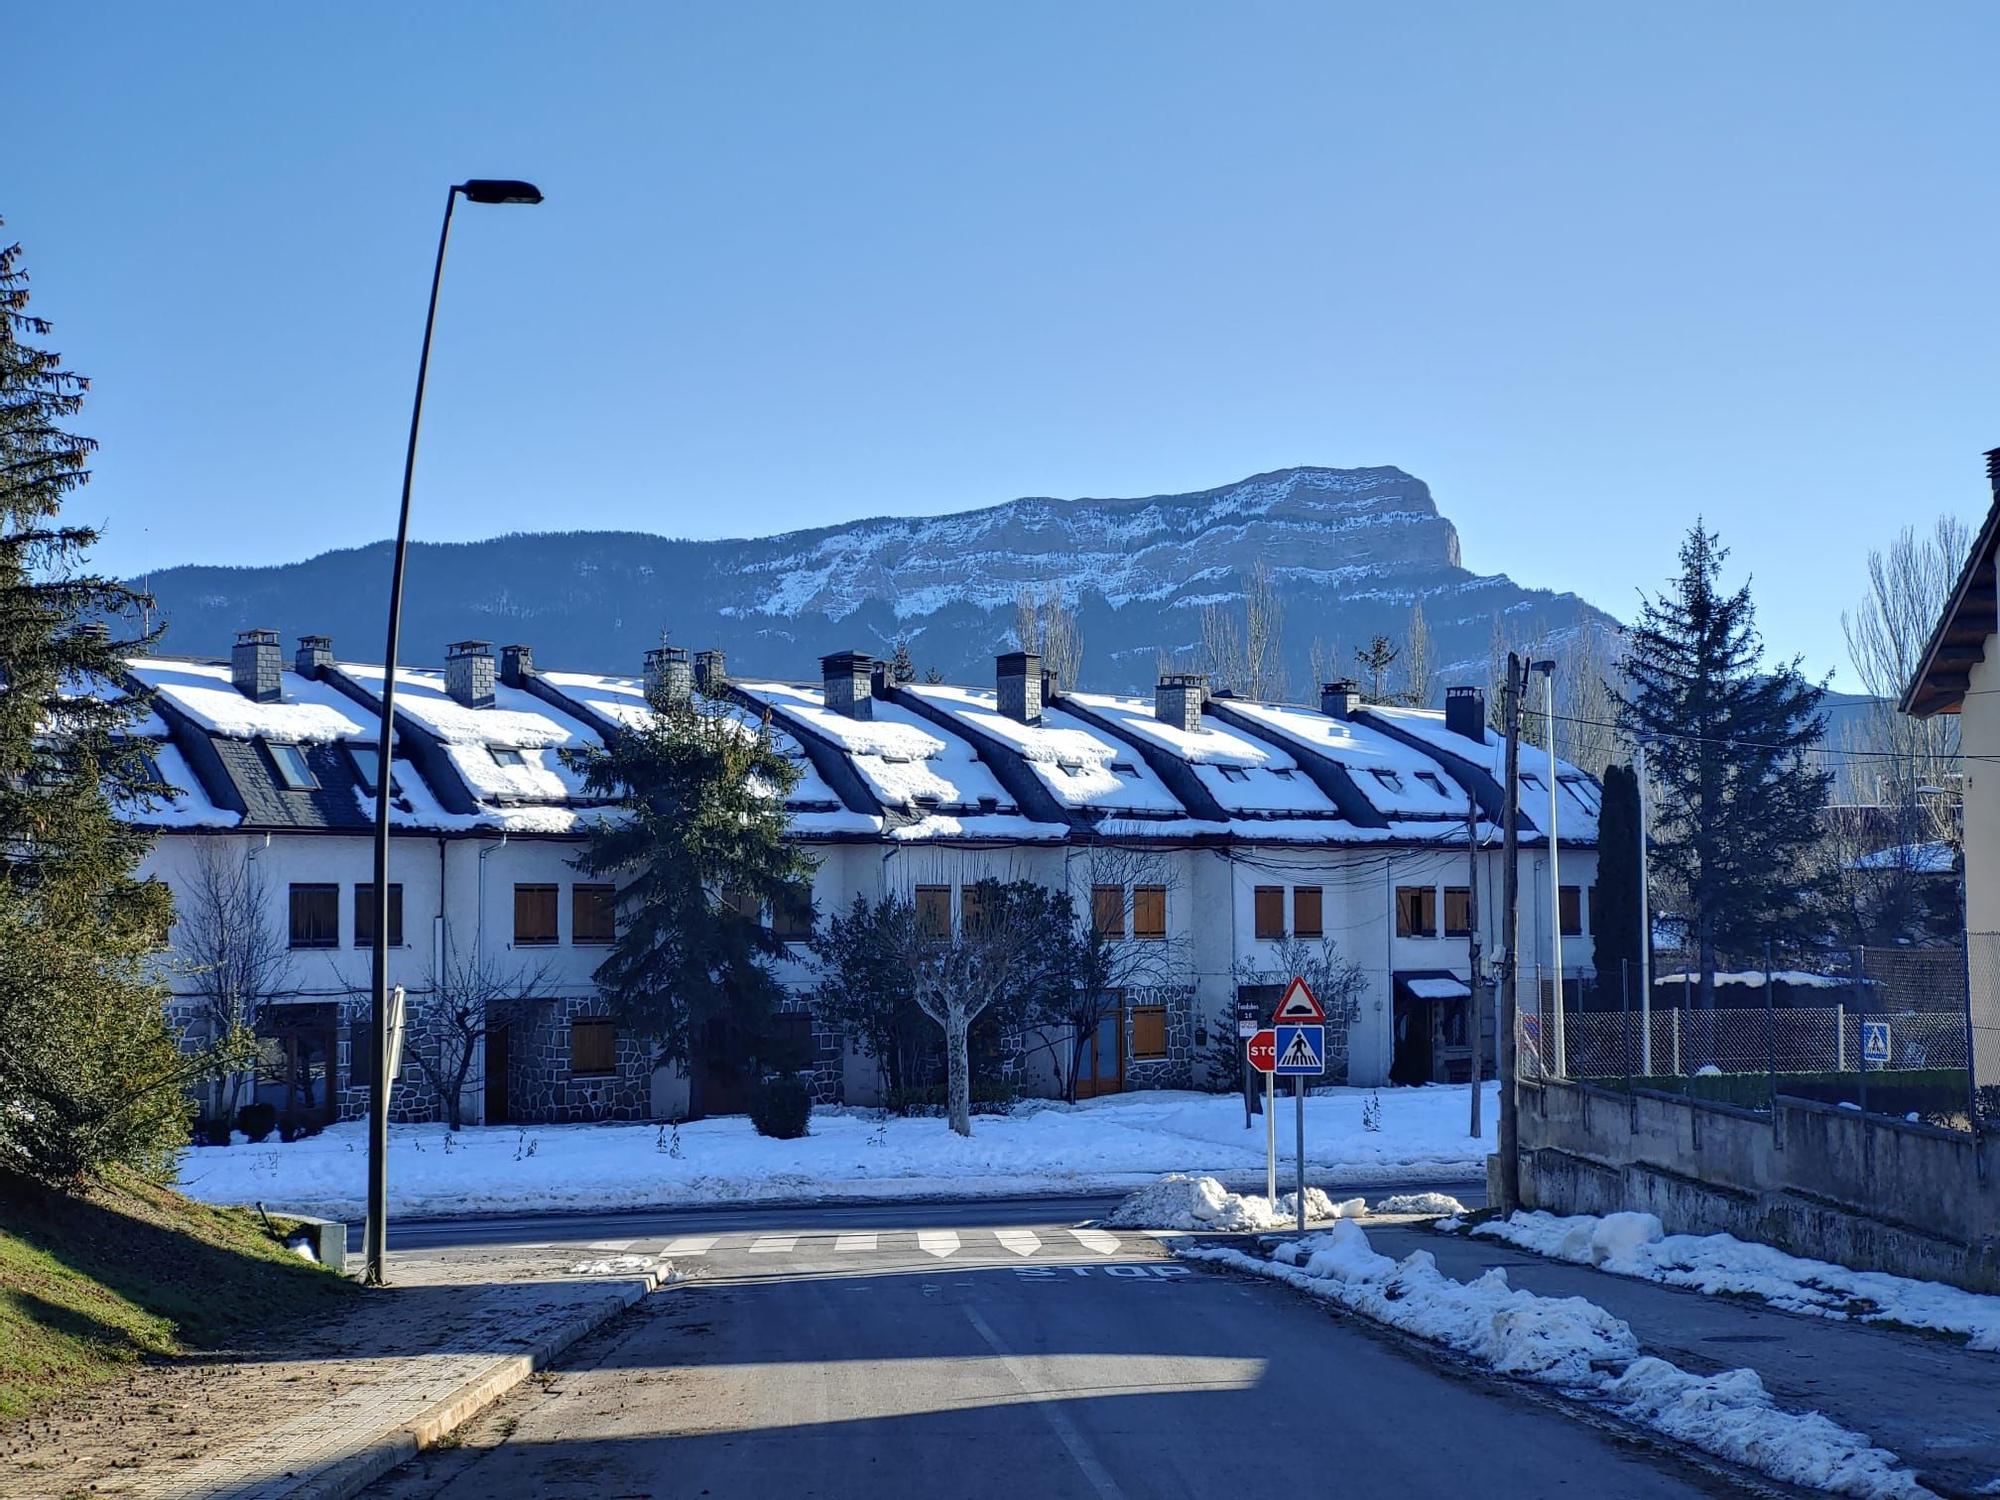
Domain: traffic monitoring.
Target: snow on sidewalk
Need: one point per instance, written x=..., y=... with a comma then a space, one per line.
x=1579, y=1348
x=1634, y=1244
x=1108, y=1144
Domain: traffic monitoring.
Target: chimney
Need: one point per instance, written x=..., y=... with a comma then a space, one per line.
x=468, y=673
x=517, y=665
x=848, y=678
x=314, y=656
x=257, y=666
x=711, y=671
x=1018, y=676
x=667, y=671
x=1338, y=700
x=881, y=678
x=1465, y=712
x=1178, y=699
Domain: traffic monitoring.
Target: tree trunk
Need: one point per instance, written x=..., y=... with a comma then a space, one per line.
x=959, y=1066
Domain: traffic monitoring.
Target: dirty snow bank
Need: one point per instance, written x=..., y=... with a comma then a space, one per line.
x=1633, y=1244
x=1178, y=1201
x=1577, y=1346
x=1420, y=1203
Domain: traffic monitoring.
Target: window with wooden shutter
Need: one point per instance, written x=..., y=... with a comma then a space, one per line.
x=364, y=916
x=1416, y=911
x=1571, y=903
x=1149, y=1032
x=934, y=910
x=1107, y=910
x=1149, y=911
x=792, y=916
x=593, y=1048
x=593, y=913
x=315, y=916
x=1270, y=911
x=1457, y=910
x=1306, y=921
x=534, y=915
x=971, y=908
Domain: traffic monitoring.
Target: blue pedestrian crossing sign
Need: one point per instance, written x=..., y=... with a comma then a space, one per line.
x=1301, y=1051
x=1874, y=1043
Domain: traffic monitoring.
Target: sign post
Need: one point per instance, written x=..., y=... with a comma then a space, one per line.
x=1298, y=1029
x=1261, y=1053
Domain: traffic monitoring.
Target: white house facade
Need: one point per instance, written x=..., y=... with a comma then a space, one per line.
x=1226, y=827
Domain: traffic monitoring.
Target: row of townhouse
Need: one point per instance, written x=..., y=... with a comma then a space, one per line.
x=1231, y=826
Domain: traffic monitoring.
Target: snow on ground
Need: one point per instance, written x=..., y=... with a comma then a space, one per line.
x=1633, y=1244
x=1178, y=1201
x=1110, y=1144
x=1580, y=1348
x=1420, y=1203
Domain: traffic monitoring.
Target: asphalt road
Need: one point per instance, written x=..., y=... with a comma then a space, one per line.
x=874, y=1354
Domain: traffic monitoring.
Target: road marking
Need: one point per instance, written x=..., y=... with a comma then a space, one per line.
x=689, y=1244
x=1037, y=1387
x=938, y=1242
x=612, y=1244
x=855, y=1242
x=1020, y=1241
x=1098, y=1240
x=774, y=1244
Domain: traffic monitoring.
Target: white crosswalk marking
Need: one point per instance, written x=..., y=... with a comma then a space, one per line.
x=773, y=1244
x=1097, y=1239
x=689, y=1244
x=1020, y=1241
x=614, y=1245
x=855, y=1242
x=938, y=1242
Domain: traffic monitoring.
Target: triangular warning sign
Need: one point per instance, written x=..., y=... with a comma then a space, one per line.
x=1300, y=1053
x=1298, y=1007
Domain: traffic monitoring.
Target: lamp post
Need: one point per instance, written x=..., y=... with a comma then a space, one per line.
x=376, y=1235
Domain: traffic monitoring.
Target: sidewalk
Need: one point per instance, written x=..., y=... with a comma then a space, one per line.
x=322, y=1412
x=1928, y=1399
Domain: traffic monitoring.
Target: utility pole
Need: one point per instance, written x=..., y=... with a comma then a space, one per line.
x=1510, y=1155
x=1556, y=1041
x=1478, y=1017
x=1645, y=920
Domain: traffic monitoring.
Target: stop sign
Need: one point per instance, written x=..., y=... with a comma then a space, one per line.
x=1264, y=1050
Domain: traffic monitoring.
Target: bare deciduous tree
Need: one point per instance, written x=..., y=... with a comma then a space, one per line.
x=1047, y=625
x=1375, y=659
x=1419, y=664
x=228, y=941
x=473, y=997
x=1246, y=654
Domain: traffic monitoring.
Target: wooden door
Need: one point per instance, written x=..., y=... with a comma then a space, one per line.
x=496, y=1076
x=1100, y=1068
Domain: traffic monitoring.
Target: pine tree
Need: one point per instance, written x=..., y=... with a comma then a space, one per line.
x=1614, y=899
x=699, y=855
x=1375, y=659
x=90, y=1075
x=1739, y=802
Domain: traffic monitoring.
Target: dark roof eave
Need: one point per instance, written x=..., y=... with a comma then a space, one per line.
x=1944, y=670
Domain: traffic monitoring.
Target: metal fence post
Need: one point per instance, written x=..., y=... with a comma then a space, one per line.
x=1839, y=1037
x=1861, y=1018
x=1677, y=1041
x=1625, y=1017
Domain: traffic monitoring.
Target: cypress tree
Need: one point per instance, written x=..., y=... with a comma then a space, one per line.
x=1614, y=899
x=1739, y=802
x=90, y=1075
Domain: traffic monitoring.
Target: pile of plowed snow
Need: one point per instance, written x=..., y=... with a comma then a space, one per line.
x=1178, y=1201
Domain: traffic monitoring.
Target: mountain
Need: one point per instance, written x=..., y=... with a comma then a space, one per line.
x=1349, y=550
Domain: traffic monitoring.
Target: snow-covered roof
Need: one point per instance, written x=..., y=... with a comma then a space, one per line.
x=1247, y=776
x=1577, y=794
x=1399, y=781
x=181, y=801
x=1911, y=859
x=1797, y=978
x=1081, y=766
x=309, y=712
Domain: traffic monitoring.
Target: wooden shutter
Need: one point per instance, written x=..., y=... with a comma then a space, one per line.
x=1270, y=911
x=1149, y=911
x=1306, y=920
x=534, y=914
x=593, y=1047
x=1107, y=910
x=1149, y=1031
x=593, y=913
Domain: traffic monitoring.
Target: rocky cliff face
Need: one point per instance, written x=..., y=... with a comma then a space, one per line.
x=1350, y=550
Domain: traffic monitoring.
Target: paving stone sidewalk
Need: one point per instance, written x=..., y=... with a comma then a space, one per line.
x=1928, y=1399
x=326, y=1411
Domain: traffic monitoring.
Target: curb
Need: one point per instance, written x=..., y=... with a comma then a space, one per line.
x=349, y=1476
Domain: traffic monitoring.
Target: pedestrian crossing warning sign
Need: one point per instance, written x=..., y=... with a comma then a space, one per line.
x=1301, y=1051
x=1299, y=1007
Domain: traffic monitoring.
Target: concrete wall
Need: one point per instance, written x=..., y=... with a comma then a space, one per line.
x=1819, y=1181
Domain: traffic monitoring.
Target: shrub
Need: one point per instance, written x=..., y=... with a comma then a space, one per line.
x=781, y=1108
x=213, y=1132
x=257, y=1121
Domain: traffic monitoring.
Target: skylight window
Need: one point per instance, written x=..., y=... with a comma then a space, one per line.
x=1388, y=779
x=1430, y=779
x=293, y=772
x=1233, y=773
x=889, y=758
x=368, y=765
x=507, y=757
x=1070, y=767
x=1283, y=773
x=1530, y=779
x=1125, y=768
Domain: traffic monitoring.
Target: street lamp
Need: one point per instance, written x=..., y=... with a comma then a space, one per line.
x=376, y=1235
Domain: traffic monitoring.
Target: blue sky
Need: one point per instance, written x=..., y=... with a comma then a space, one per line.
x=1588, y=270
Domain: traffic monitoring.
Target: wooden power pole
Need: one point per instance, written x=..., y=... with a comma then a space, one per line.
x=1506, y=1023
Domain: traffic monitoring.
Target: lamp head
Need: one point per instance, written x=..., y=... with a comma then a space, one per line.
x=499, y=190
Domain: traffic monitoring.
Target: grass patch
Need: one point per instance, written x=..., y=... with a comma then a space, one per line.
x=126, y=1270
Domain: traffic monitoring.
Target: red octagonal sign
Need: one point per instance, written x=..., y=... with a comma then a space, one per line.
x=1264, y=1050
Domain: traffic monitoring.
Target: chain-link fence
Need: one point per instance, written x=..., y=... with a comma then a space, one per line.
x=1887, y=1031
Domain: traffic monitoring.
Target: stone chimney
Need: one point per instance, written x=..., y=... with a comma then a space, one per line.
x=1178, y=699
x=1338, y=700
x=1465, y=712
x=468, y=673
x=667, y=670
x=517, y=665
x=314, y=656
x=257, y=666
x=848, y=678
x=1018, y=676
x=711, y=671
